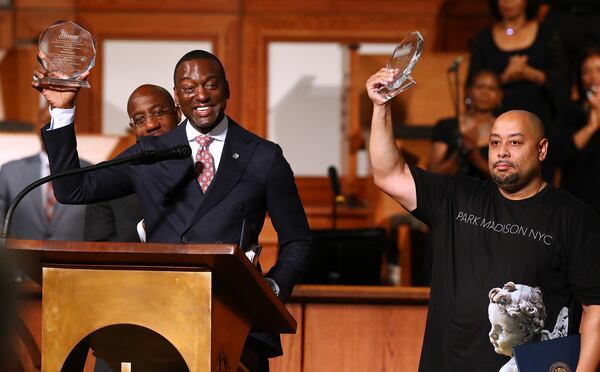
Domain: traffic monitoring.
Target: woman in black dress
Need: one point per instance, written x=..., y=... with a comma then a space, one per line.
x=580, y=145
x=459, y=146
x=527, y=56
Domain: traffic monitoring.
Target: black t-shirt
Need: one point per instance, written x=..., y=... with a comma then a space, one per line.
x=482, y=241
x=446, y=131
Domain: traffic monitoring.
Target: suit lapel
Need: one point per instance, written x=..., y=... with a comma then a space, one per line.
x=169, y=173
x=237, y=151
x=172, y=181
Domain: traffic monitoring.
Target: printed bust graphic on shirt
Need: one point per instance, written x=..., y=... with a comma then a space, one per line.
x=517, y=314
x=504, y=228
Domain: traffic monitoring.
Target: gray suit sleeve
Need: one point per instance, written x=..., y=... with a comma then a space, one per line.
x=4, y=194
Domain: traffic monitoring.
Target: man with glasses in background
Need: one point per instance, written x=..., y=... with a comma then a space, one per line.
x=152, y=112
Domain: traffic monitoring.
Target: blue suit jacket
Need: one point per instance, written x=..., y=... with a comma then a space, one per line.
x=253, y=178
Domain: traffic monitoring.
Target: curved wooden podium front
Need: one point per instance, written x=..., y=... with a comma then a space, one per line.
x=200, y=300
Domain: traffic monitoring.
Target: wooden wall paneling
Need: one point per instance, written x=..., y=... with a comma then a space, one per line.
x=352, y=139
x=317, y=190
x=6, y=42
x=44, y=4
x=291, y=360
x=341, y=6
x=32, y=22
x=6, y=28
x=21, y=101
x=319, y=217
x=29, y=311
x=346, y=337
x=459, y=21
x=221, y=30
x=214, y=6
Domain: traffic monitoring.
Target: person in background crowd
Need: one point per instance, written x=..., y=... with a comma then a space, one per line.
x=152, y=112
x=528, y=57
x=579, y=154
x=459, y=146
x=577, y=24
x=39, y=216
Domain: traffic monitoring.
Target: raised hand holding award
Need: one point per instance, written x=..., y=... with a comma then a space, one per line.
x=66, y=51
x=403, y=60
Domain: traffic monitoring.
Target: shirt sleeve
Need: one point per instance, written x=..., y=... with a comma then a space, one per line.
x=431, y=192
x=61, y=117
x=141, y=231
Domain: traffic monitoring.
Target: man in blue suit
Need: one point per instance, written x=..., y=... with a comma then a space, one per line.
x=232, y=177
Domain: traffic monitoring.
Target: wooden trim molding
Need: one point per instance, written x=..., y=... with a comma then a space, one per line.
x=360, y=294
x=327, y=7
x=30, y=23
x=215, y=6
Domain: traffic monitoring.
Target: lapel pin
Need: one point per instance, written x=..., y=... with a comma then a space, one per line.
x=235, y=155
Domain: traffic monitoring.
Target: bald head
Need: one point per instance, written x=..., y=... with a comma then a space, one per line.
x=151, y=111
x=159, y=93
x=530, y=123
x=517, y=149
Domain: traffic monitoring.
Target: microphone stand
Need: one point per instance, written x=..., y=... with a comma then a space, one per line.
x=141, y=157
x=333, y=213
x=462, y=153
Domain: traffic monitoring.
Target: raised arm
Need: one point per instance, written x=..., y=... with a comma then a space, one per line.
x=391, y=173
x=61, y=145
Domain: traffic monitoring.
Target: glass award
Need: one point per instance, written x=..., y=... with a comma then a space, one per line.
x=403, y=59
x=66, y=51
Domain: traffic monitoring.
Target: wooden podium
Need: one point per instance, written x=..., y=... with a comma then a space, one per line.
x=153, y=307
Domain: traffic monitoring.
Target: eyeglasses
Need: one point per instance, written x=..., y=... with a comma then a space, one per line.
x=139, y=120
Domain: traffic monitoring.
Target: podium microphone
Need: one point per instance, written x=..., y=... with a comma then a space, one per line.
x=338, y=198
x=144, y=157
x=335, y=185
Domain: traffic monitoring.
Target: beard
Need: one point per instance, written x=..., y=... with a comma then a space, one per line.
x=506, y=181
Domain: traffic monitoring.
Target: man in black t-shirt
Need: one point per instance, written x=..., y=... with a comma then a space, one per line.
x=515, y=259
